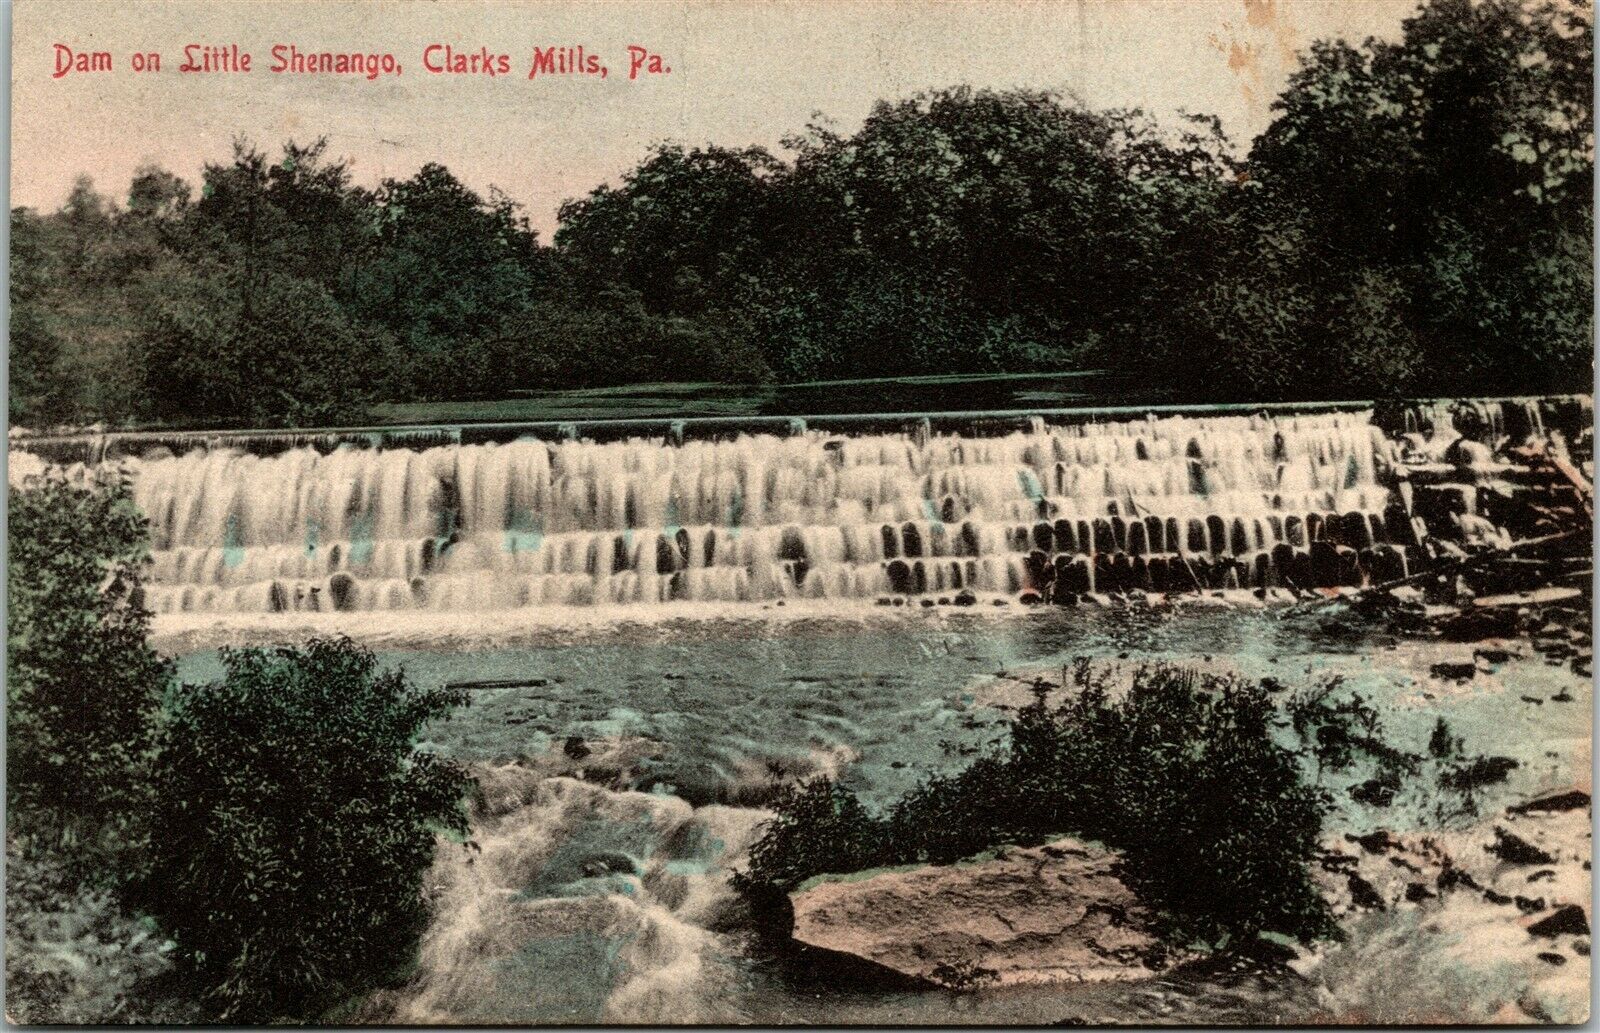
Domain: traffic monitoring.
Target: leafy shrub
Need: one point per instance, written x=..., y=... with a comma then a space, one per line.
x=1340, y=733
x=297, y=819
x=82, y=688
x=1182, y=774
x=819, y=827
x=1466, y=778
x=82, y=694
x=1443, y=744
x=72, y=954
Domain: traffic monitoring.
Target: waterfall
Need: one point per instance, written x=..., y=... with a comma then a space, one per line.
x=1160, y=504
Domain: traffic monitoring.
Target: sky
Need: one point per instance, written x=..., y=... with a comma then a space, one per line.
x=740, y=72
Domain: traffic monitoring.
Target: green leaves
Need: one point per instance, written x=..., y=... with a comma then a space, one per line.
x=1402, y=208
x=1217, y=821
x=1417, y=218
x=298, y=820
x=82, y=687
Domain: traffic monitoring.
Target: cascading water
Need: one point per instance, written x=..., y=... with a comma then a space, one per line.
x=1166, y=504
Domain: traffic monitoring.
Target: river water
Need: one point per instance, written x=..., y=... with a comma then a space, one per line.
x=608, y=902
x=654, y=628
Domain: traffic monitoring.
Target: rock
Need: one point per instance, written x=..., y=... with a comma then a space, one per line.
x=966, y=597
x=1450, y=877
x=1373, y=842
x=1334, y=861
x=1477, y=624
x=604, y=864
x=1528, y=905
x=1454, y=671
x=1552, y=958
x=1363, y=895
x=1056, y=913
x=1373, y=792
x=1513, y=849
x=1568, y=801
x=1417, y=892
x=1473, y=455
x=1568, y=919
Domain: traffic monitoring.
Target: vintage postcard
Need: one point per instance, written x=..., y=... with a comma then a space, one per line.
x=759, y=512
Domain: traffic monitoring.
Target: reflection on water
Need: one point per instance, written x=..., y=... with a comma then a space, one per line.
x=946, y=393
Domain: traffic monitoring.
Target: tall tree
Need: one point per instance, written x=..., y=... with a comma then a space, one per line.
x=446, y=267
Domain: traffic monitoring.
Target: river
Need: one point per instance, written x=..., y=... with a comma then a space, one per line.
x=656, y=624
x=592, y=903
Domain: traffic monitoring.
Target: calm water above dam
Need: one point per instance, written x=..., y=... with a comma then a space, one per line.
x=975, y=393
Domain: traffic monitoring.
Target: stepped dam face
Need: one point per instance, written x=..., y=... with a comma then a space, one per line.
x=1040, y=512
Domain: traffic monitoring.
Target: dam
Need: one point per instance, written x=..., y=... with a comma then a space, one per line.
x=661, y=624
x=1026, y=507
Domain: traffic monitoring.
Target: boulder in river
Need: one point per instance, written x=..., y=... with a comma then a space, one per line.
x=1571, y=800
x=1566, y=920
x=1054, y=913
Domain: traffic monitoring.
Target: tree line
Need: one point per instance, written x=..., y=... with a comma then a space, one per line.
x=1416, y=219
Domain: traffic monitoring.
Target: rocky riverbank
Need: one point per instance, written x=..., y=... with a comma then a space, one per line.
x=1512, y=892
x=1052, y=913
x=1509, y=895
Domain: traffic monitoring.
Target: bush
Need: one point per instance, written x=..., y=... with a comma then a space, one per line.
x=297, y=821
x=82, y=695
x=72, y=954
x=1182, y=774
x=818, y=828
x=82, y=688
x=226, y=349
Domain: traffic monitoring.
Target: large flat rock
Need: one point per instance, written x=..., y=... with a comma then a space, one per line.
x=1055, y=913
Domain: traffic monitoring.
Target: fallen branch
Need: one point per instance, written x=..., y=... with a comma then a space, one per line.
x=1567, y=469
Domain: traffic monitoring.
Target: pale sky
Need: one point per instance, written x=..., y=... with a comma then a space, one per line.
x=742, y=73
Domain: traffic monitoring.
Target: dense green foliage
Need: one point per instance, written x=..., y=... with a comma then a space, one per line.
x=1181, y=773
x=82, y=687
x=82, y=698
x=1419, y=213
x=1416, y=217
x=297, y=820
x=73, y=953
x=268, y=834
